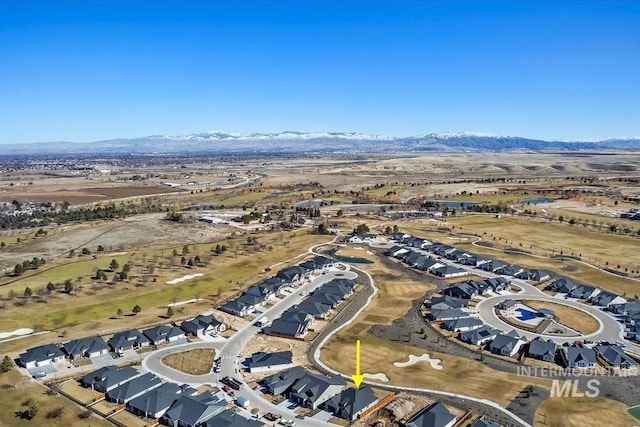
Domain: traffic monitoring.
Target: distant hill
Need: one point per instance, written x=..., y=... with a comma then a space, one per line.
x=314, y=142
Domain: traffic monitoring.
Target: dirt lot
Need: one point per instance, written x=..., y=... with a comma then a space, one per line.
x=193, y=362
x=575, y=319
x=76, y=391
x=270, y=344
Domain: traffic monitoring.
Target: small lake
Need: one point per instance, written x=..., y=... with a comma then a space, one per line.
x=455, y=203
x=534, y=201
x=349, y=259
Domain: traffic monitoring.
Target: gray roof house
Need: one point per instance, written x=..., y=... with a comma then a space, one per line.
x=237, y=308
x=479, y=336
x=85, y=347
x=605, y=299
x=288, y=328
x=350, y=403
x=133, y=388
x=615, y=357
x=131, y=339
x=445, y=302
x=448, y=314
x=107, y=378
x=319, y=308
x=435, y=415
x=542, y=349
x=313, y=389
x=563, y=286
x=461, y=290
x=484, y=423
x=163, y=334
x=40, y=356
x=203, y=325
x=463, y=325
x=585, y=292
x=449, y=271
x=579, y=357
x=281, y=382
x=156, y=402
x=625, y=308
x=229, y=418
x=507, y=344
x=262, y=361
x=189, y=411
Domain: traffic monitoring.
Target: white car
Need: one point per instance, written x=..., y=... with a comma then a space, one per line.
x=288, y=423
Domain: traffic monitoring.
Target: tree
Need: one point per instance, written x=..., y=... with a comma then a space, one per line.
x=51, y=287
x=86, y=251
x=2, y=244
x=123, y=275
x=18, y=270
x=6, y=364
x=340, y=212
x=185, y=249
x=126, y=268
x=119, y=313
x=28, y=292
x=101, y=275
x=100, y=248
x=170, y=312
x=72, y=253
x=114, y=265
x=175, y=252
x=68, y=286
x=136, y=309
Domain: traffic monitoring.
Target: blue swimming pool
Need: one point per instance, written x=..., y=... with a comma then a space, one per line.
x=525, y=314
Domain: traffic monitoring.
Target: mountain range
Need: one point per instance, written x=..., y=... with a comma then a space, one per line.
x=312, y=142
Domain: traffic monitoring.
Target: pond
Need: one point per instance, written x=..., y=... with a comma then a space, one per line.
x=350, y=259
x=534, y=201
x=455, y=203
x=634, y=412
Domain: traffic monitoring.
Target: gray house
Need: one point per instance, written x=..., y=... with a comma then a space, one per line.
x=463, y=325
x=108, y=378
x=311, y=390
x=189, y=411
x=262, y=361
x=203, y=325
x=133, y=388
x=446, y=302
x=579, y=357
x=479, y=336
x=41, y=356
x=281, y=382
x=131, y=339
x=507, y=344
x=615, y=357
x=585, y=292
x=163, y=334
x=350, y=403
x=542, y=350
x=449, y=314
x=85, y=348
x=435, y=415
x=156, y=402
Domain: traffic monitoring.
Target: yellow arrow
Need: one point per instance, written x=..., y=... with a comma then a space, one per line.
x=357, y=378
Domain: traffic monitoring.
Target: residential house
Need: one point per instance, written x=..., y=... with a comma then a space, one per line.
x=448, y=314
x=485, y=423
x=292, y=274
x=449, y=271
x=508, y=305
x=85, y=347
x=435, y=415
x=262, y=361
x=625, y=308
x=445, y=302
x=163, y=334
x=585, y=292
x=41, y=356
x=461, y=290
x=498, y=284
x=507, y=344
x=479, y=336
x=319, y=310
x=538, y=276
x=134, y=388
x=542, y=349
x=288, y=328
x=203, y=325
x=108, y=378
x=132, y=339
x=189, y=411
x=615, y=357
x=237, y=308
x=579, y=357
x=360, y=238
x=350, y=403
x=463, y=325
x=392, y=251
x=605, y=299
x=562, y=286
x=311, y=390
x=230, y=418
x=427, y=264
x=492, y=265
x=511, y=270
x=281, y=382
x=156, y=402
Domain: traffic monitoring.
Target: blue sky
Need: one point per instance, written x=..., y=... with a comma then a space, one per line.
x=91, y=70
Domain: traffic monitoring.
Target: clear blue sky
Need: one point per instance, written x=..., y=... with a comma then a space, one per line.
x=91, y=70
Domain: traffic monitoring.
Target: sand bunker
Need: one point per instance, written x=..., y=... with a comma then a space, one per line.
x=183, y=278
x=435, y=363
x=118, y=253
x=382, y=377
x=21, y=331
x=173, y=304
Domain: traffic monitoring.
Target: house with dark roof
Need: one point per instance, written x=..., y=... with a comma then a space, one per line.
x=230, y=418
x=108, y=378
x=448, y=314
x=625, y=308
x=134, y=388
x=463, y=325
x=237, y=308
x=479, y=336
x=350, y=403
x=156, y=402
x=311, y=390
x=542, y=349
x=449, y=271
x=189, y=411
x=461, y=290
x=585, y=292
x=281, y=382
x=507, y=344
x=579, y=357
x=508, y=305
x=203, y=325
x=498, y=284
x=317, y=307
x=41, y=356
x=445, y=302
x=292, y=274
x=484, y=423
x=605, y=299
x=435, y=415
x=286, y=328
x=85, y=348
x=562, y=286
x=164, y=334
x=615, y=357
x=492, y=265
x=392, y=251
x=538, y=276
x=262, y=361
x=511, y=270
x=132, y=339
x=427, y=264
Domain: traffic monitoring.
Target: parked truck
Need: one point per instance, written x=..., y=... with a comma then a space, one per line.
x=242, y=402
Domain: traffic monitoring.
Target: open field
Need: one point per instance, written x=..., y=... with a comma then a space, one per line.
x=568, y=316
x=583, y=411
x=193, y=362
x=17, y=389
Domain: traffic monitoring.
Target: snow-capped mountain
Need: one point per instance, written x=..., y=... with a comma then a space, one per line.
x=217, y=142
